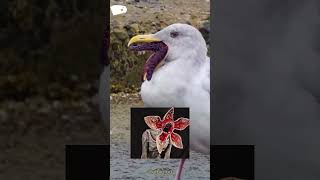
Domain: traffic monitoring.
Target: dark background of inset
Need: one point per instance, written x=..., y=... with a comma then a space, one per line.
x=266, y=84
x=138, y=126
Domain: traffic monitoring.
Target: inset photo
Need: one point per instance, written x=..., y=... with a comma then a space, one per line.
x=160, y=133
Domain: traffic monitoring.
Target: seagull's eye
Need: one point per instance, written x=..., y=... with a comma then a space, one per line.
x=174, y=34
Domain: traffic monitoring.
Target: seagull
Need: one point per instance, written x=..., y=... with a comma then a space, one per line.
x=177, y=74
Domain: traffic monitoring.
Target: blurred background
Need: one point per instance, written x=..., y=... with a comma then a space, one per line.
x=49, y=69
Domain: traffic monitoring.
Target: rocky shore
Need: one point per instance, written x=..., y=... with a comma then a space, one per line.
x=148, y=16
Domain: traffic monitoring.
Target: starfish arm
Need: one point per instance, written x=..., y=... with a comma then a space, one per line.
x=176, y=140
x=168, y=117
x=181, y=123
x=154, y=122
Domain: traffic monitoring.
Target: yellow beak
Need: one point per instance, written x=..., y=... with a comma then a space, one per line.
x=143, y=38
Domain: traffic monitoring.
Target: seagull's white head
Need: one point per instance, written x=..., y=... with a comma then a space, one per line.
x=175, y=42
x=182, y=39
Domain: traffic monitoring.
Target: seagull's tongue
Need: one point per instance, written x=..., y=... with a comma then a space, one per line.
x=152, y=62
x=151, y=65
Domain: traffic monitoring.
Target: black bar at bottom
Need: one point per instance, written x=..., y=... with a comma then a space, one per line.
x=87, y=162
x=232, y=162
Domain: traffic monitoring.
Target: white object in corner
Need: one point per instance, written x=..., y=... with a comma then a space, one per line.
x=118, y=9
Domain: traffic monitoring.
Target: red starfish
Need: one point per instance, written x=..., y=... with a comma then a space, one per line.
x=167, y=125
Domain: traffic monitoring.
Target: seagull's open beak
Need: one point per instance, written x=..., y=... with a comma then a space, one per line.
x=149, y=43
x=143, y=39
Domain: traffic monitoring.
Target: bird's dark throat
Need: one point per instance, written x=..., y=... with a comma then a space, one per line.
x=159, y=51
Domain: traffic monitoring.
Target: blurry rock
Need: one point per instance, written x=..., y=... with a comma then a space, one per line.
x=21, y=123
x=84, y=107
x=19, y=106
x=96, y=84
x=129, y=1
x=121, y=34
x=11, y=78
x=95, y=99
x=10, y=105
x=68, y=138
x=84, y=87
x=74, y=78
x=38, y=101
x=56, y=104
x=44, y=109
x=3, y=116
x=65, y=117
x=134, y=27
x=54, y=91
